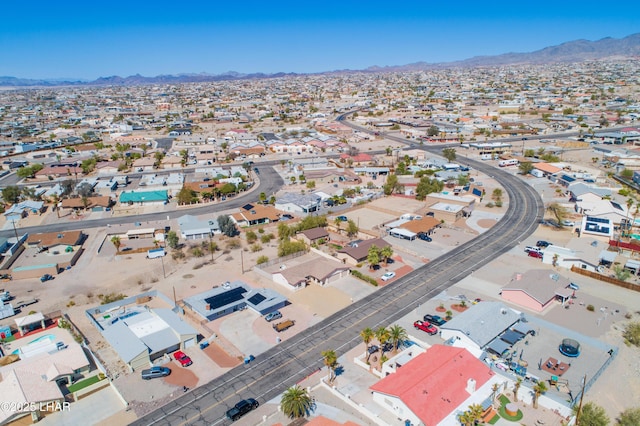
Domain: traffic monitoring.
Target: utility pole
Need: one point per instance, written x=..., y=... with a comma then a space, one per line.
x=584, y=384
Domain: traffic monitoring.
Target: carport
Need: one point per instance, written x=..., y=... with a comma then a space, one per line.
x=29, y=321
x=524, y=328
x=498, y=347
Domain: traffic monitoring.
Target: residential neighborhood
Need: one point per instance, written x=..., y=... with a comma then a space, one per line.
x=149, y=231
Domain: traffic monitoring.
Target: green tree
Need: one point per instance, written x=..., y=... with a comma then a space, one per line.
x=427, y=186
x=559, y=213
x=186, y=196
x=172, y=239
x=352, y=228
x=373, y=256
x=621, y=273
x=330, y=359
x=296, y=402
x=227, y=226
x=449, y=154
x=392, y=185
x=115, y=240
x=367, y=335
x=386, y=252
x=627, y=174
x=433, y=131
x=284, y=231
x=382, y=335
x=11, y=194
x=496, y=196
x=591, y=415
x=525, y=167
x=287, y=247
x=311, y=184
x=397, y=335
x=629, y=417
x=263, y=197
x=539, y=389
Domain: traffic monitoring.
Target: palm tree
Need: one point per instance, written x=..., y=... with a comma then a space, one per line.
x=538, y=390
x=386, y=252
x=466, y=418
x=330, y=359
x=475, y=410
x=296, y=402
x=373, y=256
x=397, y=334
x=494, y=391
x=382, y=334
x=116, y=242
x=367, y=335
x=516, y=388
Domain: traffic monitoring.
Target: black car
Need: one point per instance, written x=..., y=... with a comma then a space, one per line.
x=434, y=319
x=543, y=244
x=242, y=408
x=424, y=237
x=373, y=349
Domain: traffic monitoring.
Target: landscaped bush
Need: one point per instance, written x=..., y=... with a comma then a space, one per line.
x=364, y=277
x=591, y=308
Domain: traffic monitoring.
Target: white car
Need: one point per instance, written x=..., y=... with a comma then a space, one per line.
x=387, y=276
x=568, y=223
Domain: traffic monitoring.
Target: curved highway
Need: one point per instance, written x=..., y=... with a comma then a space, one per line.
x=289, y=362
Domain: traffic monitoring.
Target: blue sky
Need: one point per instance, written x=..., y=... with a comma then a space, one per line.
x=87, y=40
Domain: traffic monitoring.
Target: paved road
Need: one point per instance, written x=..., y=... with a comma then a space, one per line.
x=270, y=183
x=289, y=362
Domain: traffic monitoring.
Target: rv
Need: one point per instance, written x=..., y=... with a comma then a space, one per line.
x=507, y=163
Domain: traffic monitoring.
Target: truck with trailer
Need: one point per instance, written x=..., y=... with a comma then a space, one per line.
x=283, y=325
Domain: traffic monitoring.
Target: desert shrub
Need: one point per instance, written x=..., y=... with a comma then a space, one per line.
x=256, y=247
x=262, y=259
x=591, y=308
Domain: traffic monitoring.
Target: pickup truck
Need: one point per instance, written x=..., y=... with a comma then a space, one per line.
x=26, y=302
x=283, y=325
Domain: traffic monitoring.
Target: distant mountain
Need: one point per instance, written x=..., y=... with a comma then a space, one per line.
x=573, y=51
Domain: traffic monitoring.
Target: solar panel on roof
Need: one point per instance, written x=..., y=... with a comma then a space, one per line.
x=597, y=219
x=225, y=298
x=256, y=299
x=247, y=207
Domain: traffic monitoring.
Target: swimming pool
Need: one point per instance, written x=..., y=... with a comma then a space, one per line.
x=49, y=337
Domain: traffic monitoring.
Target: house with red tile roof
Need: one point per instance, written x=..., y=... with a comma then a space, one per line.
x=433, y=385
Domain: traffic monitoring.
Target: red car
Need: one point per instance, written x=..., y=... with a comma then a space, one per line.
x=182, y=358
x=426, y=327
x=535, y=254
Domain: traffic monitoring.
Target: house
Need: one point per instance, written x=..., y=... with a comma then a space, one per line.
x=140, y=334
x=35, y=379
x=255, y=214
x=566, y=257
x=433, y=385
x=192, y=228
x=313, y=236
x=144, y=164
x=475, y=328
x=144, y=197
x=231, y=297
x=594, y=206
x=298, y=203
x=95, y=203
x=357, y=253
x=22, y=209
x=321, y=271
x=426, y=224
x=536, y=289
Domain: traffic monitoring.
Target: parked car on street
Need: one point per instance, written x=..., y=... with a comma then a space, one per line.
x=242, y=408
x=46, y=277
x=387, y=276
x=426, y=327
x=182, y=358
x=342, y=218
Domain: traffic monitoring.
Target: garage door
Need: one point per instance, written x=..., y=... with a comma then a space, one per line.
x=190, y=342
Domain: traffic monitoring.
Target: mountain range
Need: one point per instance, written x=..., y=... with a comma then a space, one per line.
x=572, y=51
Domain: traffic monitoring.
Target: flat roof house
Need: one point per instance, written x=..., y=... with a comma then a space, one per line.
x=192, y=228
